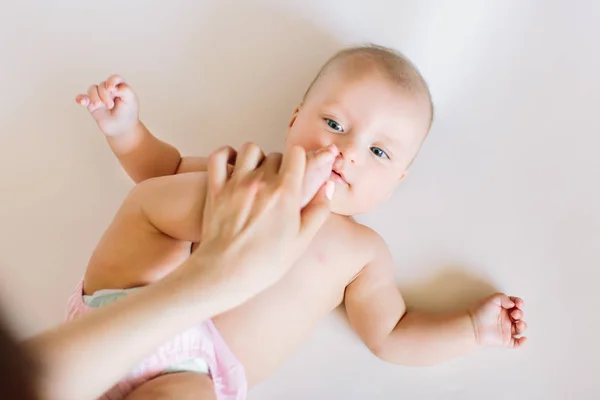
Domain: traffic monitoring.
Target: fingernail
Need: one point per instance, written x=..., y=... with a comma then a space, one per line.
x=329, y=189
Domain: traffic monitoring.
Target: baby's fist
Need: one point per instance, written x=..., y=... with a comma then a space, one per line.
x=112, y=104
x=498, y=321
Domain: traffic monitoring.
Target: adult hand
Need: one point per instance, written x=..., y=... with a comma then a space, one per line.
x=254, y=229
x=254, y=226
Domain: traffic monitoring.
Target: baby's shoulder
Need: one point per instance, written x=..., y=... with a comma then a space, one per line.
x=359, y=246
x=359, y=236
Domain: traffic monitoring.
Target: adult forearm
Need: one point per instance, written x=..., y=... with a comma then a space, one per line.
x=421, y=339
x=240, y=255
x=142, y=155
x=84, y=358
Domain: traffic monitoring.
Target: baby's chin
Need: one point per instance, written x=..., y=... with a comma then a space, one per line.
x=345, y=205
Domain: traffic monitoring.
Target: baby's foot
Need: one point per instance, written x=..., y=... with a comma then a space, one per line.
x=318, y=170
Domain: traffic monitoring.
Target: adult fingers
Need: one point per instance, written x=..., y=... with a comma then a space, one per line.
x=248, y=159
x=314, y=215
x=272, y=164
x=218, y=168
x=293, y=169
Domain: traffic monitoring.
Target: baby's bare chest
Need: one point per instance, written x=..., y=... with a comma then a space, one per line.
x=280, y=318
x=328, y=265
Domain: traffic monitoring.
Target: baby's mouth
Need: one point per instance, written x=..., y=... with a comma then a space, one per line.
x=337, y=177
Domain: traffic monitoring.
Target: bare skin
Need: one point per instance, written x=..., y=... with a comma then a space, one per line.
x=134, y=253
x=245, y=250
x=377, y=129
x=180, y=386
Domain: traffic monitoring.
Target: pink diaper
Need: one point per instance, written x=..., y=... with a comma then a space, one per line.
x=202, y=341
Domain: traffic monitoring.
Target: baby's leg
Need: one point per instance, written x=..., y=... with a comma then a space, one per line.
x=151, y=233
x=177, y=386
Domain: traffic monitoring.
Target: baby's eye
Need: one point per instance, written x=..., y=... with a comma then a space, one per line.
x=334, y=125
x=379, y=152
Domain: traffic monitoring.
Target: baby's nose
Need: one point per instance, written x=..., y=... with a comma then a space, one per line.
x=348, y=153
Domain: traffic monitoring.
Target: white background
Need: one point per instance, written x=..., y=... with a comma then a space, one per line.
x=503, y=196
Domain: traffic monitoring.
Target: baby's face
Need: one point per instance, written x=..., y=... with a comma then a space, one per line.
x=377, y=127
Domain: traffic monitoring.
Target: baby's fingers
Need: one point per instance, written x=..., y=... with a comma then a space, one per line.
x=95, y=103
x=516, y=343
x=124, y=92
x=105, y=96
x=516, y=314
x=117, y=86
x=502, y=300
x=113, y=81
x=519, y=327
x=519, y=303
x=82, y=100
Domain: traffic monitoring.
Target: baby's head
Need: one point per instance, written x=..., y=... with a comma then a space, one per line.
x=372, y=103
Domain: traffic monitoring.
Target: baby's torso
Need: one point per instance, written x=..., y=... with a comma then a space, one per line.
x=265, y=330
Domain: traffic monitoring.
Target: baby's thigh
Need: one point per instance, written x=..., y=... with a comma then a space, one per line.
x=176, y=386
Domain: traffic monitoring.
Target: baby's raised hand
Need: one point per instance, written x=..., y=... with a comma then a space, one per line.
x=498, y=321
x=113, y=105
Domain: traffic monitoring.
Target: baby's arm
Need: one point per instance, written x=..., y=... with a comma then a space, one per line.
x=173, y=206
x=115, y=108
x=378, y=314
x=143, y=156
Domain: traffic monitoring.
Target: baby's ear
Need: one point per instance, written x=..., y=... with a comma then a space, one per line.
x=294, y=115
x=403, y=176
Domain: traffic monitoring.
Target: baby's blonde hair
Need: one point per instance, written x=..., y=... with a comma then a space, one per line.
x=397, y=67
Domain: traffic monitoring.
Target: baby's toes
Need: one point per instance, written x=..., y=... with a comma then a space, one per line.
x=318, y=170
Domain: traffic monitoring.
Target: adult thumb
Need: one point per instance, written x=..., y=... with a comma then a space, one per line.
x=313, y=216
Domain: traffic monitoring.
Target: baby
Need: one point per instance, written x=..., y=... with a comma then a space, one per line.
x=370, y=109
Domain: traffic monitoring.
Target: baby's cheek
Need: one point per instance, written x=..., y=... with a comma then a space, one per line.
x=369, y=196
x=309, y=145
x=309, y=141
x=364, y=201
x=348, y=201
x=342, y=202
